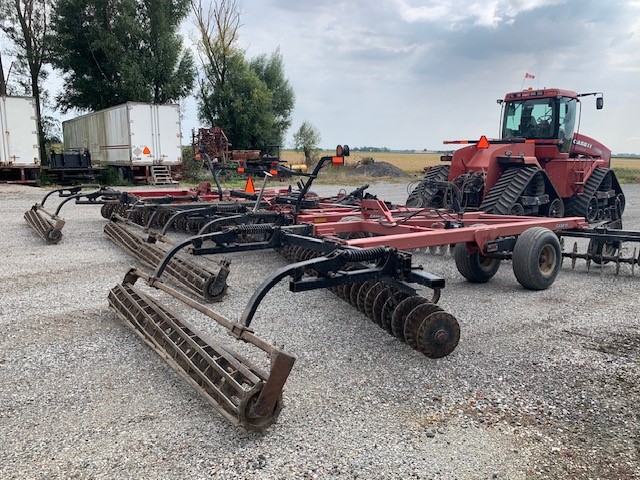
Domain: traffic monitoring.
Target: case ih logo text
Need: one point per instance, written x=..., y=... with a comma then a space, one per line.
x=582, y=143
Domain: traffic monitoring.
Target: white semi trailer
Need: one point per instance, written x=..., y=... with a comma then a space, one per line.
x=142, y=140
x=19, y=146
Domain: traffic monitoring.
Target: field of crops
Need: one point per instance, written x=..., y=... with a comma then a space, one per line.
x=627, y=169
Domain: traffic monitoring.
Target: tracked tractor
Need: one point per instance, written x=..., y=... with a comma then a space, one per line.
x=540, y=166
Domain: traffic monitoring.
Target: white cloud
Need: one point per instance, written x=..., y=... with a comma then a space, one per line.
x=484, y=13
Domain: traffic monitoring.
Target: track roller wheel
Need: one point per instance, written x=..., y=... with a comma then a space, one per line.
x=438, y=335
x=378, y=305
x=516, y=209
x=475, y=267
x=371, y=297
x=389, y=308
x=592, y=214
x=362, y=294
x=415, y=319
x=401, y=312
x=537, y=257
x=556, y=208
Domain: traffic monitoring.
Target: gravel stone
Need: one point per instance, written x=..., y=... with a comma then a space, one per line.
x=542, y=385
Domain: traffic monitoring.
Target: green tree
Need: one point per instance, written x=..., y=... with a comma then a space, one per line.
x=307, y=139
x=270, y=69
x=26, y=24
x=250, y=100
x=115, y=51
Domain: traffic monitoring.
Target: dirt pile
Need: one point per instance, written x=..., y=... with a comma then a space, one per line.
x=380, y=169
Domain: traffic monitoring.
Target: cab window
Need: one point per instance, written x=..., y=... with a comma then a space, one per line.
x=567, y=122
x=532, y=118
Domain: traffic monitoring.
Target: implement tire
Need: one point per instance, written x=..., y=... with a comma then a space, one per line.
x=537, y=257
x=475, y=267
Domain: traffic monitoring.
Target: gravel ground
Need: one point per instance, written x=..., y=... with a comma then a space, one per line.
x=542, y=385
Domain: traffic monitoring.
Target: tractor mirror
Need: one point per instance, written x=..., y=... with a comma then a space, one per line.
x=345, y=150
x=599, y=103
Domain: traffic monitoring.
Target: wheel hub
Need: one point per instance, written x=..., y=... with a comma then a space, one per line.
x=441, y=337
x=547, y=259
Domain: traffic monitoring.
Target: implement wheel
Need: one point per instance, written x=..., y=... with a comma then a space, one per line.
x=475, y=267
x=537, y=257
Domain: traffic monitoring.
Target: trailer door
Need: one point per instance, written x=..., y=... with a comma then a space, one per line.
x=19, y=144
x=168, y=136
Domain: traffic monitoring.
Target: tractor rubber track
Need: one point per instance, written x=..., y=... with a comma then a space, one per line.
x=509, y=188
x=422, y=195
x=590, y=187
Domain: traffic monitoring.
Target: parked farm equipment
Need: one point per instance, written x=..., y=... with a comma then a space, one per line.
x=539, y=166
x=205, y=283
x=49, y=225
x=214, y=144
x=352, y=244
x=242, y=393
x=203, y=212
x=250, y=399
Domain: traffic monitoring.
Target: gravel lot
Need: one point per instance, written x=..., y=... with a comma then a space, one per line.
x=542, y=385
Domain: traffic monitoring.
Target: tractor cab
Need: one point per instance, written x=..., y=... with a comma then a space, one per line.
x=540, y=115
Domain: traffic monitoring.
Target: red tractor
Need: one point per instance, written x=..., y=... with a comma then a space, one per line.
x=540, y=166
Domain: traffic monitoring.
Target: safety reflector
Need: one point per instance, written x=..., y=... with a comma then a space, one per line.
x=240, y=169
x=146, y=151
x=273, y=172
x=483, y=142
x=249, y=188
x=337, y=160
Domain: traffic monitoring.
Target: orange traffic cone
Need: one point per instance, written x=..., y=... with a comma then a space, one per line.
x=249, y=188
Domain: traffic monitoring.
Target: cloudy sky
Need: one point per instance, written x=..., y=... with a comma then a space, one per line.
x=408, y=74
x=411, y=73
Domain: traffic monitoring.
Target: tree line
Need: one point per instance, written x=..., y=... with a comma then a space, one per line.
x=113, y=51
